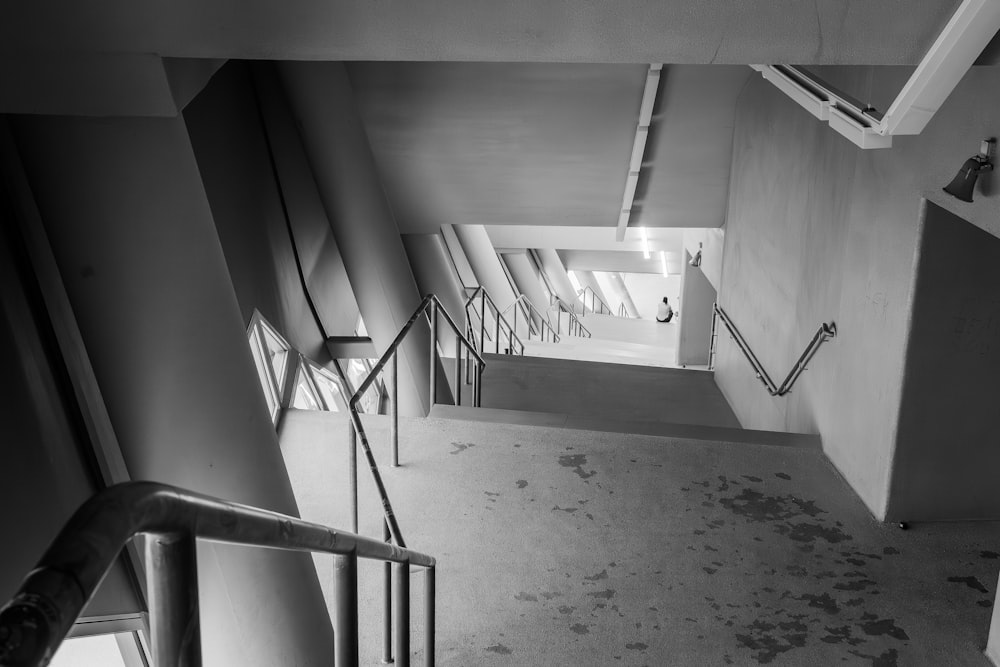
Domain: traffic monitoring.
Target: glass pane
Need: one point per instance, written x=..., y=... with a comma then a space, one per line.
x=357, y=371
x=96, y=651
x=259, y=360
x=303, y=398
x=329, y=388
x=277, y=352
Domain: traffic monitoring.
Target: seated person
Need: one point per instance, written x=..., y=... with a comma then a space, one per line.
x=664, y=313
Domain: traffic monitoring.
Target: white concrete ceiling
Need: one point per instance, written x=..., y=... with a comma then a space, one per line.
x=625, y=31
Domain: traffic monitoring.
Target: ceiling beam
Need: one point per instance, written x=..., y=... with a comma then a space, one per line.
x=638, y=147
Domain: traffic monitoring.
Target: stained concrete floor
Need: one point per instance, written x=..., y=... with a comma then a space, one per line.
x=560, y=547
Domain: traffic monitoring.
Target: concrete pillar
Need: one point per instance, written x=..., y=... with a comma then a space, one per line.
x=697, y=297
x=588, y=279
x=485, y=263
x=336, y=144
x=556, y=273
x=993, y=645
x=461, y=262
x=621, y=294
x=133, y=236
x=522, y=270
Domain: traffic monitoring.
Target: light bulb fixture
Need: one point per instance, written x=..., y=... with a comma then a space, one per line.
x=663, y=263
x=645, y=243
x=962, y=186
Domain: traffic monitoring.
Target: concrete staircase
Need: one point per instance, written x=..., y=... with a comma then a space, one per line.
x=564, y=540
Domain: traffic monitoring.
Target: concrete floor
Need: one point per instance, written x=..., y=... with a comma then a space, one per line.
x=567, y=547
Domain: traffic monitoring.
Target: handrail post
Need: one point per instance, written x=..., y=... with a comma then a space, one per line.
x=515, y=319
x=482, y=320
x=458, y=370
x=352, y=472
x=345, y=632
x=496, y=337
x=172, y=582
x=394, y=410
x=433, y=388
x=402, y=614
x=479, y=385
x=429, y=620
x=386, y=602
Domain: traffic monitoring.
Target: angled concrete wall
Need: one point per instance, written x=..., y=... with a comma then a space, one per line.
x=132, y=232
x=697, y=297
x=820, y=230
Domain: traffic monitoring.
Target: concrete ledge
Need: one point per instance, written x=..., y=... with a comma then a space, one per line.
x=584, y=423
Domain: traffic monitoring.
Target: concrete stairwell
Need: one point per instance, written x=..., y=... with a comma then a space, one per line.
x=561, y=546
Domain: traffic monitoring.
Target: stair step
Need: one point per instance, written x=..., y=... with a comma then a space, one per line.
x=588, y=423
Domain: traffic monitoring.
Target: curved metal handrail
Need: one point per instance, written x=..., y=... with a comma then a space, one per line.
x=622, y=310
x=546, y=328
x=430, y=306
x=594, y=299
x=499, y=320
x=824, y=333
x=36, y=620
x=575, y=326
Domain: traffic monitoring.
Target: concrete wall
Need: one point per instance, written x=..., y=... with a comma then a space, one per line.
x=697, y=297
x=47, y=471
x=230, y=145
x=945, y=464
x=819, y=230
x=132, y=232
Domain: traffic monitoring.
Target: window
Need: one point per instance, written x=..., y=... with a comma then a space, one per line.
x=270, y=356
x=357, y=371
x=329, y=388
x=122, y=649
x=316, y=388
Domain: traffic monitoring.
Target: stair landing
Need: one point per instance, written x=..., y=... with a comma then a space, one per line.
x=569, y=547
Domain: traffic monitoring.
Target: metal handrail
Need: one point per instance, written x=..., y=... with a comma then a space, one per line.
x=36, y=620
x=622, y=310
x=546, y=328
x=499, y=321
x=824, y=333
x=430, y=306
x=575, y=326
x=605, y=308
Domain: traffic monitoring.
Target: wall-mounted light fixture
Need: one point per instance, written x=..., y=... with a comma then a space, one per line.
x=964, y=183
x=645, y=243
x=663, y=263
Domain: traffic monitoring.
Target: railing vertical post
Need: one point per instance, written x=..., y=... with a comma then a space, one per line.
x=458, y=370
x=479, y=385
x=402, y=614
x=496, y=336
x=515, y=319
x=434, y=379
x=429, y=620
x=394, y=409
x=172, y=582
x=510, y=340
x=345, y=632
x=482, y=321
x=386, y=602
x=352, y=472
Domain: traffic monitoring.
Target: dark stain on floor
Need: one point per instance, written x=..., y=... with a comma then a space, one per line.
x=770, y=640
x=580, y=628
x=637, y=646
x=461, y=447
x=971, y=582
x=499, y=648
x=576, y=461
x=526, y=597
x=521, y=483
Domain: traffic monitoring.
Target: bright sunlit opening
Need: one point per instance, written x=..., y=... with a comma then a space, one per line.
x=663, y=263
x=96, y=651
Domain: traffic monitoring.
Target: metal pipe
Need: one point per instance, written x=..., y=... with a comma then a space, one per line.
x=386, y=602
x=393, y=411
x=434, y=378
x=429, y=616
x=172, y=583
x=496, y=333
x=482, y=319
x=402, y=614
x=352, y=474
x=479, y=385
x=345, y=631
x=458, y=372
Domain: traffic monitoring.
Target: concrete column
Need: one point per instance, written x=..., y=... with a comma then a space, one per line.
x=336, y=144
x=528, y=282
x=133, y=235
x=485, y=263
x=621, y=294
x=697, y=297
x=588, y=279
x=461, y=262
x=556, y=273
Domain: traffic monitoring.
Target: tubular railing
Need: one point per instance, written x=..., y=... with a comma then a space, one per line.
x=501, y=327
x=622, y=310
x=542, y=330
x=36, y=620
x=573, y=327
x=597, y=304
x=824, y=333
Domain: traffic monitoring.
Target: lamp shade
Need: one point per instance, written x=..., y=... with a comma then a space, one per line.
x=964, y=183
